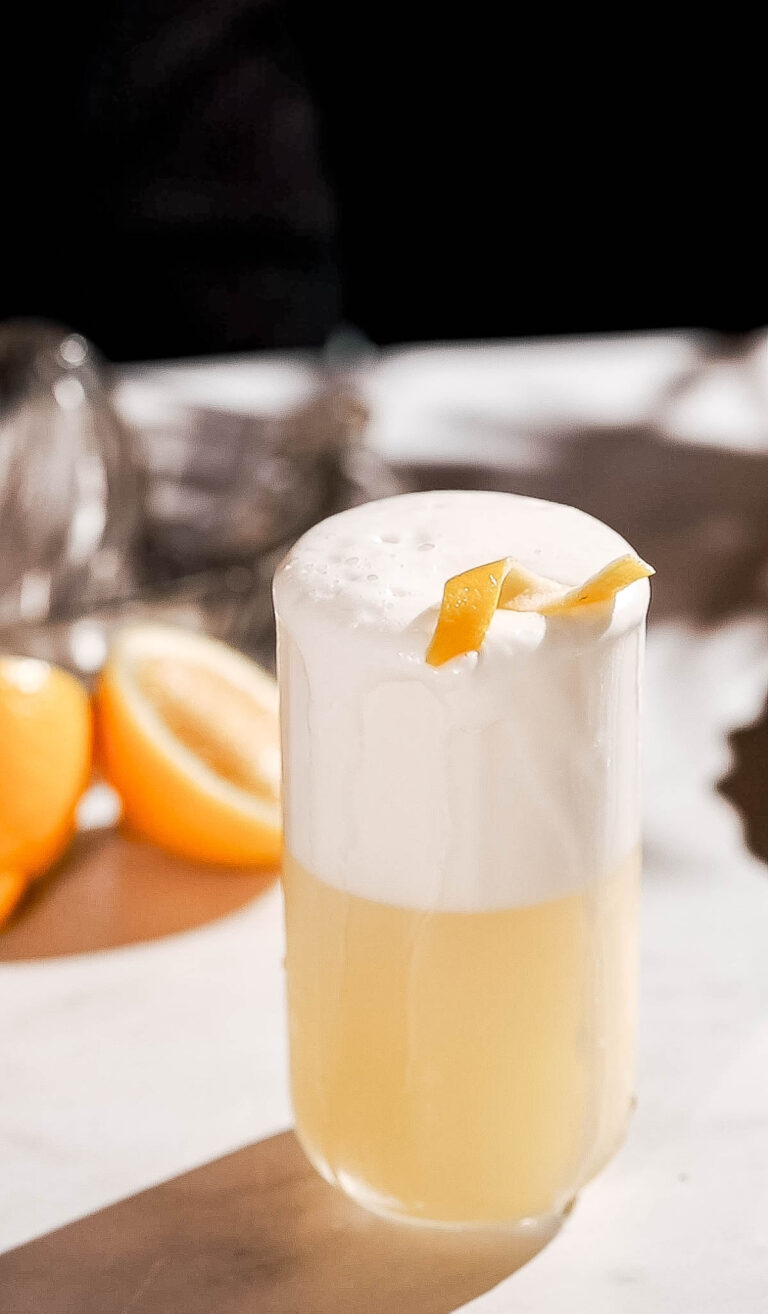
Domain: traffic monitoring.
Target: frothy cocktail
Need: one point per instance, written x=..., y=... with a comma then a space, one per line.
x=461, y=860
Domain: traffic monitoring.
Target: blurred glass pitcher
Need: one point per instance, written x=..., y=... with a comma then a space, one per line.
x=69, y=495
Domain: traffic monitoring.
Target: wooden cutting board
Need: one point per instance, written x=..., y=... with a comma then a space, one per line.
x=110, y=890
x=257, y=1232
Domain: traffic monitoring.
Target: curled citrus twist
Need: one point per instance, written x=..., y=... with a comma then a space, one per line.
x=470, y=599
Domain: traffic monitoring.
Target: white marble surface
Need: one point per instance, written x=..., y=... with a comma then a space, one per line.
x=679, y=1220
x=451, y=402
x=123, y=1068
x=120, y=1069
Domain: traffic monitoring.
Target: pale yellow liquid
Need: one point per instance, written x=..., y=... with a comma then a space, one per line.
x=461, y=1067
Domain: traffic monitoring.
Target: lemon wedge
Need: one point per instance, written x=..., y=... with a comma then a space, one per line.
x=187, y=733
x=45, y=761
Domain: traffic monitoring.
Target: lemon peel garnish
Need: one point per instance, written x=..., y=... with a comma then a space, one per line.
x=470, y=599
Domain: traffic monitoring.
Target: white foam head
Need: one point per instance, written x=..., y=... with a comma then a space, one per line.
x=503, y=777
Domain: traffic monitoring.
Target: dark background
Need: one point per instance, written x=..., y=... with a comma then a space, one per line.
x=183, y=176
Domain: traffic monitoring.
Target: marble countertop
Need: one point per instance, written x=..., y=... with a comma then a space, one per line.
x=124, y=1067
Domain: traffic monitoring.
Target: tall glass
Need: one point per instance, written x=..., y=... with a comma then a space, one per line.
x=461, y=861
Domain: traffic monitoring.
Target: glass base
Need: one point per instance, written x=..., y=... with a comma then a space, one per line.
x=393, y=1210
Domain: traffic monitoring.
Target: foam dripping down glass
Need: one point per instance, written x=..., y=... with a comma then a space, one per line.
x=461, y=861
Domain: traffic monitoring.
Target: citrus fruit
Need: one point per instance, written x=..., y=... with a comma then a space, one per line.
x=12, y=887
x=187, y=734
x=45, y=760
